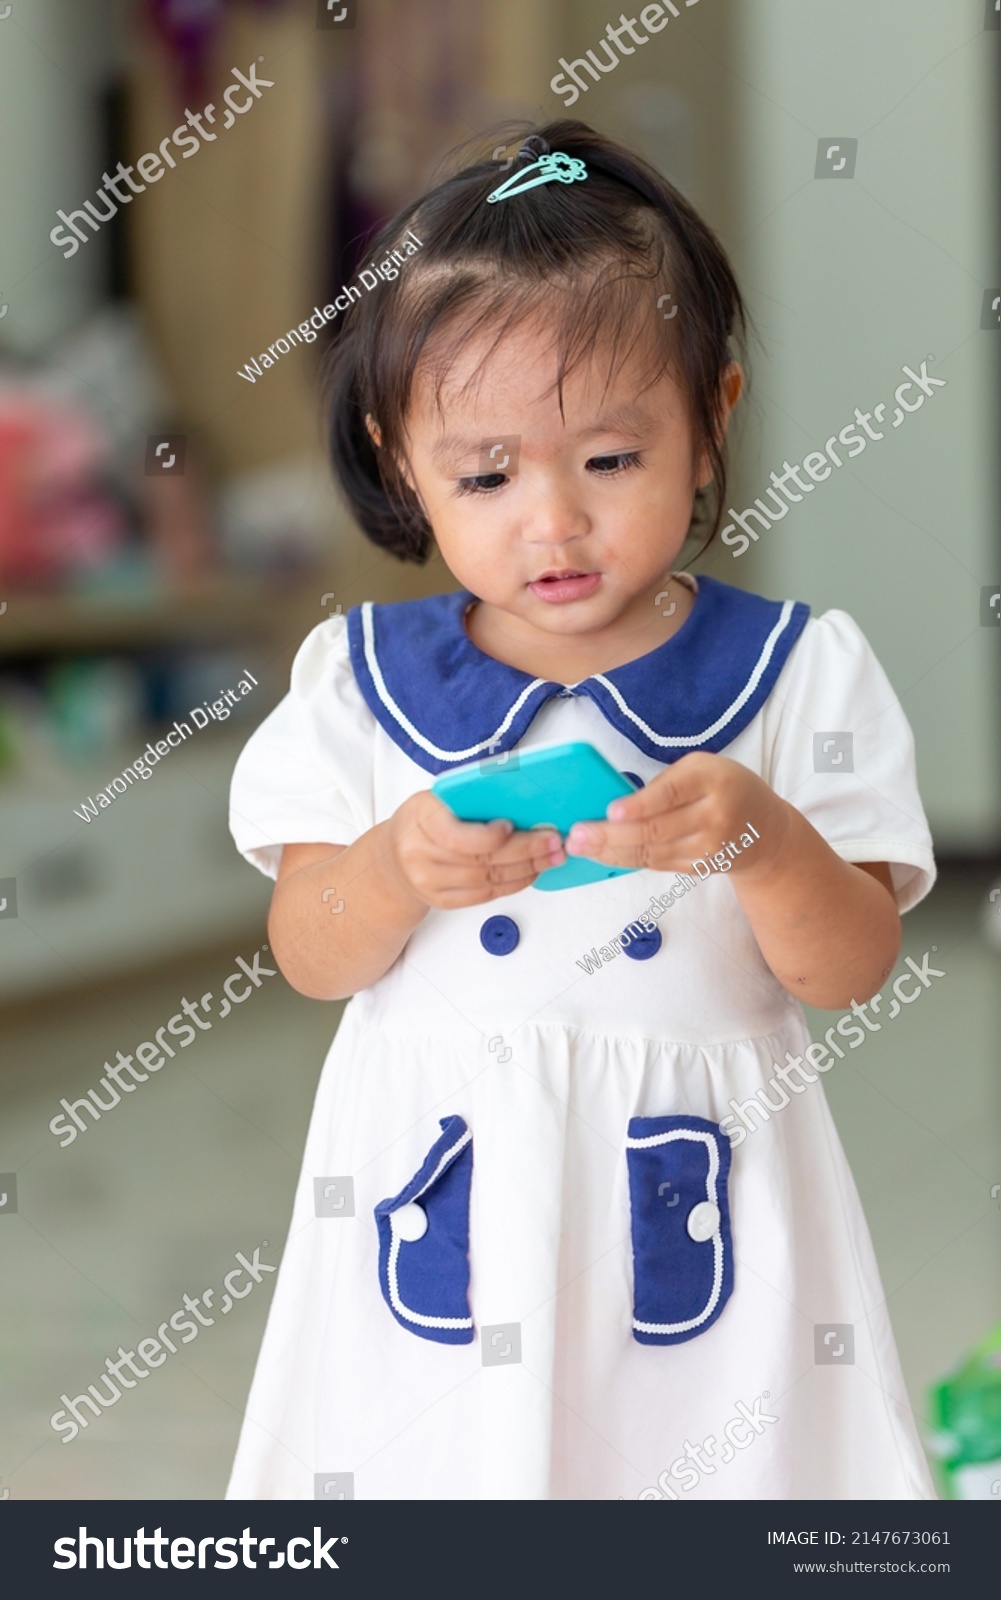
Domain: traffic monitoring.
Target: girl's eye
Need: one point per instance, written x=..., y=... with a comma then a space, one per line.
x=608, y=466
x=487, y=483
x=602, y=466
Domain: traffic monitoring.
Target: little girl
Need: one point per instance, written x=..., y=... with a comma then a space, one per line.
x=574, y=1222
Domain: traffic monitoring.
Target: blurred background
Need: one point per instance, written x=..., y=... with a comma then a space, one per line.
x=167, y=528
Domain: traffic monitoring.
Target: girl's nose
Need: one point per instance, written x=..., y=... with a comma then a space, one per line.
x=553, y=515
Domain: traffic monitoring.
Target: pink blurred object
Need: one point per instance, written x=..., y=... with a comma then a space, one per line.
x=56, y=520
x=189, y=29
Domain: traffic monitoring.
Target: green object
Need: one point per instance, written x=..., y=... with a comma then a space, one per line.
x=966, y=1416
x=8, y=741
x=93, y=704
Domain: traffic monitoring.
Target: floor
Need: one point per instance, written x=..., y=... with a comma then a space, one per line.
x=153, y=1202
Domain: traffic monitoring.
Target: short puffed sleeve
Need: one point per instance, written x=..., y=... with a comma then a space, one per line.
x=840, y=749
x=305, y=775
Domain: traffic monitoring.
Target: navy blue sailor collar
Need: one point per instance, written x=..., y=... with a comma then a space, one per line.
x=443, y=701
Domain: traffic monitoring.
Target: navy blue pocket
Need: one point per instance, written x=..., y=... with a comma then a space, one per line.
x=682, y=1245
x=424, y=1242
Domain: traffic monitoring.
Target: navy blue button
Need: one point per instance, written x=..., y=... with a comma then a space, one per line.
x=499, y=935
x=634, y=778
x=642, y=944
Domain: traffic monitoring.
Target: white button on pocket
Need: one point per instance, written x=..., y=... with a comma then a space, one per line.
x=679, y=1168
x=424, y=1248
x=411, y=1222
x=703, y=1221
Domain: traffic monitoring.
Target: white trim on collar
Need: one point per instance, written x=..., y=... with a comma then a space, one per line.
x=689, y=740
x=415, y=734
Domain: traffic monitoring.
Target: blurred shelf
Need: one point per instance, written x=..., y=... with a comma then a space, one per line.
x=60, y=777
x=217, y=608
x=153, y=875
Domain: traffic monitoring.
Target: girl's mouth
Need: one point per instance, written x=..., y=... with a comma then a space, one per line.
x=557, y=587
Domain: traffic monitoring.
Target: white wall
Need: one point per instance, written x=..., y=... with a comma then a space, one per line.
x=849, y=281
x=53, y=54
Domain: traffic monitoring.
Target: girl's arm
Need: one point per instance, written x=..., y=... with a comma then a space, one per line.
x=829, y=930
x=341, y=914
x=339, y=918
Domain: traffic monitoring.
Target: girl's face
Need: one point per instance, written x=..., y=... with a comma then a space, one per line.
x=564, y=526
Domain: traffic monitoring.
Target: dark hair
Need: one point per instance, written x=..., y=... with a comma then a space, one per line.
x=611, y=248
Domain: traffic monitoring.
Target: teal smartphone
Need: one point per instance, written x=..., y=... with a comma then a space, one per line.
x=554, y=786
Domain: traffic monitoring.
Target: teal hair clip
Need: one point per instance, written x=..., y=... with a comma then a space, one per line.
x=555, y=168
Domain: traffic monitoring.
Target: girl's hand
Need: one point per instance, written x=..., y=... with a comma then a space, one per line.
x=447, y=863
x=828, y=929
x=689, y=810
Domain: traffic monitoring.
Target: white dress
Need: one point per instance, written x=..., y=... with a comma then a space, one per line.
x=541, y=1281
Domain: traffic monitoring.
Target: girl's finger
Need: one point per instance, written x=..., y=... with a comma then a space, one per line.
x=466, y=838
x=670, y=830
x=610, y=853
x=502, y=867
x=469, y=886
x=682, y=784
x=533, y=844
x=634, y=844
